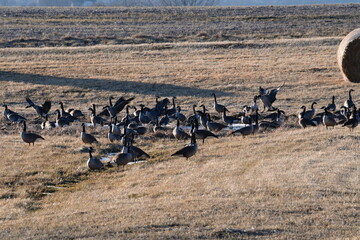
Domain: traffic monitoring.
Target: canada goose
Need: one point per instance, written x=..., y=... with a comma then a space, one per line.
x=203, y=116
x=125, y=156
x=29, y=137
x=230, y=119
x=118, y=106
x=75, y=113
x=256, y=126
x=214, y=126
x=86, y=137
x=308, y=114
x=61, y=121
x=189, y=150
x=328, y=118
x=179, y=132
x=143, y=118
x=276, y=120
x=136, y=151
x=349, y=103
x=304, y=122
x=95, y=119
x=254, y=107
x=353, y=121
x=218, y=107
x=158, y=128
x=112, y=111
x=269, y=97
x=94, y=163
x=275, y=116
x=179, y=115
x=115, y=128
x=12, y=116
x=245, y=130
x=202, y=133
x=41, y=110
x=172, y=110
x=332, y=106
x=66, y=115
x=165, y=120
x=112, y=136
x=47, y=124
x=193, y=117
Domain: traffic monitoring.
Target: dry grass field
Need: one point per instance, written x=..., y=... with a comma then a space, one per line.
x=290, y=183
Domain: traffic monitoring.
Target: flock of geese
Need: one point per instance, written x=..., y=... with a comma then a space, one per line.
x=158, y=118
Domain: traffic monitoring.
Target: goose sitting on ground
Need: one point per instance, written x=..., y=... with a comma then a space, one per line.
x=245, y=130
x=331, y=106
x=179, y=132
x=214, y=126
x=94, y=163
x=29, y=137
x=125, y=156
x=47, y=124
x=189, y=150
x=202, y=133
x=86, y=137
x=353, y=121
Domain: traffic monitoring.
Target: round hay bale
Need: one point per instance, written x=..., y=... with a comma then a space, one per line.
x=349, y=56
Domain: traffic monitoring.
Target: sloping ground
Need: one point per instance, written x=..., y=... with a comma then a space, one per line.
x=290, y=183
x=34, y=27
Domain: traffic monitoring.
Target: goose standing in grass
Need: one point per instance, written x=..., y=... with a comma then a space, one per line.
x=12, y=116
x=179, y=115
x=136, y=151
x=349, y=103
x=201, y=133
x=61, y=121
x=113, y=136
x=179, y=132
x=353, y=121
x=309, y=114
x=41, y=110
x=29, y=137
x=328, y=118
x=188, y=151
x=305, y=122
x=214, y=126
x=218, y=107
x=86, y=137
x=95, y=119
x=230, y=119
x=331, y=106
x=94, y=163
x=67, y=115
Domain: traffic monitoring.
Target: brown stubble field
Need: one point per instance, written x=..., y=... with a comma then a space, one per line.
x=289, y=183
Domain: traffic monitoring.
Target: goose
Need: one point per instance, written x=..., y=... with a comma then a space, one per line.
x=276, y=120
x=332, y=106
x=115, y=128
x=188, y=151
x=41, y=110
x=308, y=114
x=245, y=130
x=179, y=132
x=95, y=119
x=47, y=124
x=275, y=116
x=305, y=122
x=349, y=103
x=61, y=121
x=269, y=97
x=29, y=137
x=75, y=113
x=256, y=126
x=112, y=136
x=125, y=156
x=112, y=111
x=86, y=137
x=118, y=106
x=353, y=121
x=230, y=119
x=179, y=115
x=143, y=118
x=328, y=118
x=66, y=115
x=218, y=107
x=136, y=151
x=12, y=116
x=203, y=116
x=202, y=133
x=172, y=110
x=94, y=163
x=158, y=128
x=193, y=117
x=214, y=126
x=165, y=120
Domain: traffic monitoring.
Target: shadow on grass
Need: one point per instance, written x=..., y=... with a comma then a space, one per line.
x=239, y=233
x=134, y=87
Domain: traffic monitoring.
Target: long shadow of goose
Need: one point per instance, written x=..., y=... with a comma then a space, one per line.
x=163, y=89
